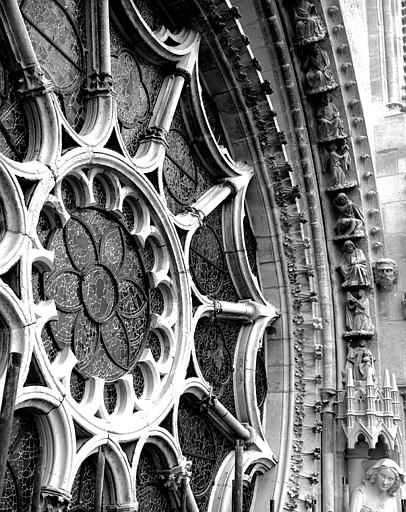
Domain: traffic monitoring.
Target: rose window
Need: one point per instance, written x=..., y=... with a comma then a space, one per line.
x=101, y=291
x=103, y=281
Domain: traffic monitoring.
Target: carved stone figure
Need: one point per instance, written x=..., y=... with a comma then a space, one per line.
x=376, y=493
x=338, y=165
x=309, y=27
x=360, y=358
x=357, y=313
x=350, y=220
x=319, y=76
x=386, y=273
x=352, y=267
x=329, y=123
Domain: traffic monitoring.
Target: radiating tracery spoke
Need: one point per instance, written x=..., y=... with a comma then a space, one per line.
x=101, y=292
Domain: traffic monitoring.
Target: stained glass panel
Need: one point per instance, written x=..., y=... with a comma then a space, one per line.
x=248, y=495
x=157, y=301
x=58, y=37
x=22, y=464
x=101, y=292
x=110, y=397
x=250, y=245
x=261, y=381
x=99, y=193
x=137, y=83
x=204, y=446
x=207, y=260
x=215, y=344
x=185, y=175
x=138, y=381
x=151, y=493
x=77, y=386
x=179, y=170
x=13, y=122
x=83, y=488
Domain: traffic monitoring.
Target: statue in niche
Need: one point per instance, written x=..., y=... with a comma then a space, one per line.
x=338, y=166
x=353, y=267
x=360, y=358
x=309, y=27
x=357, y=313
x=330, y=126
x=386, y=273
x=350, y=220
x=319, y=76
x=376, y=493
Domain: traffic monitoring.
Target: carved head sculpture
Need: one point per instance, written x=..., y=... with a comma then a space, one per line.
x=348, y=246
x=386, y=475
x=386, y=273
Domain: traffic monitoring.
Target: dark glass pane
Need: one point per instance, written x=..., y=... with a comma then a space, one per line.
x=205, y=446
x=137, y=84
x=13, y=122
x=83, y=488
x=207, y=260
x=22, y=464
x=151, y=493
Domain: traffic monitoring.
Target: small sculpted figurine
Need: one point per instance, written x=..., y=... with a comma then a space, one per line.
x=357, y=313
x=353, y=267
x=376, y=493
x=309, y=27
x=360, y=358
x=319, y=76
x=350, y=220
x=338, y=165
x=329, y=123
x=386, y=273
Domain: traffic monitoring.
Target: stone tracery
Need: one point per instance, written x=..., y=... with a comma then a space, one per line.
x=109, y=286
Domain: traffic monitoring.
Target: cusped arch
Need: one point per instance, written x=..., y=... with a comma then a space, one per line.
x=253, y=463
x=14, y=323
x=57, y=434
x=120, y=470
x=160, y=440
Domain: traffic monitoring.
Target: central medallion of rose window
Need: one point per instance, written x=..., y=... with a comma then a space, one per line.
x=101, y=292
